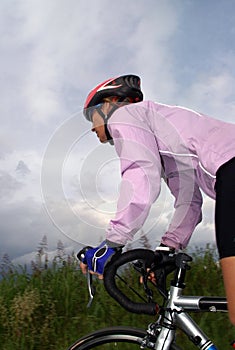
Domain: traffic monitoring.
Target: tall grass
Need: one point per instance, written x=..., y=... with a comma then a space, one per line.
x=46, y=309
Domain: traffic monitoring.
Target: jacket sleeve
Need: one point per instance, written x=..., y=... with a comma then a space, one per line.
x=141, y=179
x=188, y=202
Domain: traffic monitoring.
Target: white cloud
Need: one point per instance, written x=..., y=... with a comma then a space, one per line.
x=8, y=185
x=214, y=94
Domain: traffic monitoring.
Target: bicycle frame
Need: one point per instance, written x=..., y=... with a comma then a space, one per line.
x=176, y=316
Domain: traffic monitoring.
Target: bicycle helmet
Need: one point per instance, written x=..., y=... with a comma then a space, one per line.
x=123, y=87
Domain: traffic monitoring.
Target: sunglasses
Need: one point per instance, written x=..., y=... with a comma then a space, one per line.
x=89, y=111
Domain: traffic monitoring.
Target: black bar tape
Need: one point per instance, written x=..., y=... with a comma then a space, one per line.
x=111, y=287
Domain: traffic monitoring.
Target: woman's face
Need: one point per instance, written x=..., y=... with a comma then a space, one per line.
x=98, y=127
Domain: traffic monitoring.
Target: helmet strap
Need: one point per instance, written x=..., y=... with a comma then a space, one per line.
x=105, y=119
x=109, y=137
x=107, y=116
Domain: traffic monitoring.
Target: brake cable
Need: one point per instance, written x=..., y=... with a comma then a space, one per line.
x=131, y=288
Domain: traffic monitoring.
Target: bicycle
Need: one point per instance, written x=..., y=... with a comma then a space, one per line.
x=173, y=314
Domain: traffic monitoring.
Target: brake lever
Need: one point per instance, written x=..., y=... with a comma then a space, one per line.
x=91, y=289
x=140, y=267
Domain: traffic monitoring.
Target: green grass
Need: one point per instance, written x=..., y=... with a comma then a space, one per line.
x=47, y=309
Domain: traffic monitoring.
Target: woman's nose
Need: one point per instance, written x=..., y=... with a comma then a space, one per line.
x=93, y=127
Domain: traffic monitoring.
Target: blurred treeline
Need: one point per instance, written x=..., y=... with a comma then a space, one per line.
x=45, y=308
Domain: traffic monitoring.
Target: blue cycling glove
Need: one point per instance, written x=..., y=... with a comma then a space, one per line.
x=96, y=258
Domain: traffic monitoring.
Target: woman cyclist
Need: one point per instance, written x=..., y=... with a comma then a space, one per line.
x=190, y=151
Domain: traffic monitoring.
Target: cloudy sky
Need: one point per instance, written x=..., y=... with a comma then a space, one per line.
x=55, y=178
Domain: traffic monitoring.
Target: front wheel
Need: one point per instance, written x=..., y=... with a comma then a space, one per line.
x=114, y=338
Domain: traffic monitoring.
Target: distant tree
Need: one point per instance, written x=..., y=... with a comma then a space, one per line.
x=6, y=265
x=60, y=252
x=60, y=257
x=144, y=240
x=42, y=251
x=43, y=246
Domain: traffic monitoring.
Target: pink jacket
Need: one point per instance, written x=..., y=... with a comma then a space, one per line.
x=184, y=147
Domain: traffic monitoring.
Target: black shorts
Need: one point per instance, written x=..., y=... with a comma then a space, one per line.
x=225, y=209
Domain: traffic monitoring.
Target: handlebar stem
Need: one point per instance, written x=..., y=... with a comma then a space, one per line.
x=182, y=260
